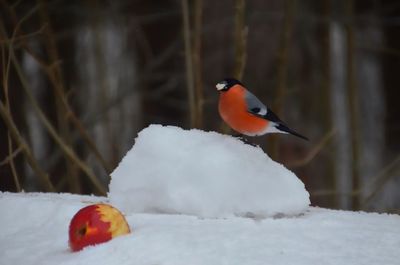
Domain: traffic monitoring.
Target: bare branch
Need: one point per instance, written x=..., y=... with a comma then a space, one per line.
x=12, y=164
x=188, y=61
x=353, y=101
x=322, y=193
x=23, y=37
x=380, y=181
x=11, y=156
x=314, y=151
x=43, y=177
x=6, y=72
x=50, y=70
x=56, y=76
x=64, y=147
x=198, y=79
x=240, y=39
x=283, y=66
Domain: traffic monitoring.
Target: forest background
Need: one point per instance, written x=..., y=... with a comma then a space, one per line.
x=79, y=79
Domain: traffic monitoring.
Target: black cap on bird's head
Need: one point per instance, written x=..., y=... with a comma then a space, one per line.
x=227, y=83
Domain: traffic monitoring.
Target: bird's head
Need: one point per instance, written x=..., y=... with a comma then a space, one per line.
x=226, y=84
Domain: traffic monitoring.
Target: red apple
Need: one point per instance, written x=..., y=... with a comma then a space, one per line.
x=95, y=224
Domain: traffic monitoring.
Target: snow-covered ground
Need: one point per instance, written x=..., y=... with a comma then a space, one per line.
x=34, y=230
x=188, y=197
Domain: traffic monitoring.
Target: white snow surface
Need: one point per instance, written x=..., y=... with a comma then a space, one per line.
x=34, y=230
x=206, y=174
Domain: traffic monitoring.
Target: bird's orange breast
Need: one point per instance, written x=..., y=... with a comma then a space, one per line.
x=233, y=110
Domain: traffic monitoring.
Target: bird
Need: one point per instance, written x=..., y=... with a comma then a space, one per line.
x=245, y=113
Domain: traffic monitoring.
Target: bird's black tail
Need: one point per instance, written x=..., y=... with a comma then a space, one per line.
x=284, y=128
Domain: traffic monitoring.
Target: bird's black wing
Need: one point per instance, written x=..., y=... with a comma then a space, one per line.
x=280, y=125
x=272, y=117
x=256, y=107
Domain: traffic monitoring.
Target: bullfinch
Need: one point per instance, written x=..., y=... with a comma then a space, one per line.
x=245, y=113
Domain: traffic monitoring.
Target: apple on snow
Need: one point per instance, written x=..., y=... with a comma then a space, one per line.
x=95, y=224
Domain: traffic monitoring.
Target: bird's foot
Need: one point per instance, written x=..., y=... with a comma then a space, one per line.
x=242, y=138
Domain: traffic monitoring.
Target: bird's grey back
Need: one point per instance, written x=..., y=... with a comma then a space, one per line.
x=254, y=105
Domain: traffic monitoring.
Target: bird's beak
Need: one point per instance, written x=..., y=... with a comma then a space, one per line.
x=220, y=86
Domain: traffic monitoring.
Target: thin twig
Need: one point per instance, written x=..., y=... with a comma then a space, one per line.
x=197, y=63
x=142, y=41
x=43, y=177
x=382, y=178
x=73, y=117
x=379, y=49
x=48, y=69
x=56, y=77
x=325, y=102
x=23, y=19
x=240, y=39
x=353, y=101
x=188, y=62
x=87, y=138
x=12, y=164
x=7, y=41
x=11, y=156
x=283, y=66
x=16, y=3
x=103, y=80
x=321, y=193
x=314, y=151
x=65, y=148
x=6, y=73
x=161, y=58
x=283, y=54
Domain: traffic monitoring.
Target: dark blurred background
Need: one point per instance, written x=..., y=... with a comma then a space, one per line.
x=79, y=79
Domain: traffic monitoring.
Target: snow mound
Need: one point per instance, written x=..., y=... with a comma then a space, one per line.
x=207, y=174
